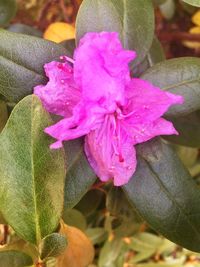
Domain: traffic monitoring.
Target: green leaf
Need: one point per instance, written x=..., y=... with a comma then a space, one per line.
x=133, y=20
x=145, y=242
x=21, y=246
x=25, y=29
x=90, y=202
x=110, y=252
x=154, y=56
x=188, y=128
x=168, y=9
x=70, y=45
x=75, y=218
x=165, y=195
x=120, y=208
x=193, y=2
x=32, y=175
x=52, y=245
x=179, y=76
x=8, y=10
x=158, y=2
x=22, y=59
x=14, y=259
x=2, y=220
x=141, y=256
x=97, y=235
x=80, y=176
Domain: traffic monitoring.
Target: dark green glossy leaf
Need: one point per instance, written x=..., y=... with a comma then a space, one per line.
x=154, y=56
x=119, y=207
x=165, y=194
x=193, y=2
x=32, y=175
x=179, y=76
x=79, y=176
x=25, y=29
x=189, y=130
x=14, y=259
x=8, y=10
x=70, y=45
x=52, y=245
x=90, y=202
x=134, y=20
x=22, y=59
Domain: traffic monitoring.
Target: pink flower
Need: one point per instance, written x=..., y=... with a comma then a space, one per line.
x=99, y=100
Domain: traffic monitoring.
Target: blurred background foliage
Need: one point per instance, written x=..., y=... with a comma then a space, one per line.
x=120, y=237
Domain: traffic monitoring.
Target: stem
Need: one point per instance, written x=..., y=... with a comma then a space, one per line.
x=174, y=36
x=63, y=8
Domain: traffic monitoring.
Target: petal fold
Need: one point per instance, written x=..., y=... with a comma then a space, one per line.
x=60, y=94
x=101, y=68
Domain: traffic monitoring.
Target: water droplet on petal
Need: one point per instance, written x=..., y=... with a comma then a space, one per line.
x=112, y=168
x=62, y=81
x=129, y=168
x=146, y=106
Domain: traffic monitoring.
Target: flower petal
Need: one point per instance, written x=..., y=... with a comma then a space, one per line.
x=104, y=160
x=146, y=102
x=101, y=67
x=86, y=117
x=60, y=94
x=143, y=132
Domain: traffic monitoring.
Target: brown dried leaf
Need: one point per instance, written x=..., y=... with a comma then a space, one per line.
x=79, y=252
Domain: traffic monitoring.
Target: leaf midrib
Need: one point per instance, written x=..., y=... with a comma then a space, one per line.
x=181, y=84
x=37, y=226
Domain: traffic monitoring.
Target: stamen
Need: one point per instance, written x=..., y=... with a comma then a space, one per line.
x=67, y=59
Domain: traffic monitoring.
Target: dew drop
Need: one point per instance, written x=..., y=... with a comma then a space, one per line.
x=129, y=168
x=111, y=168
x=62, y=81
